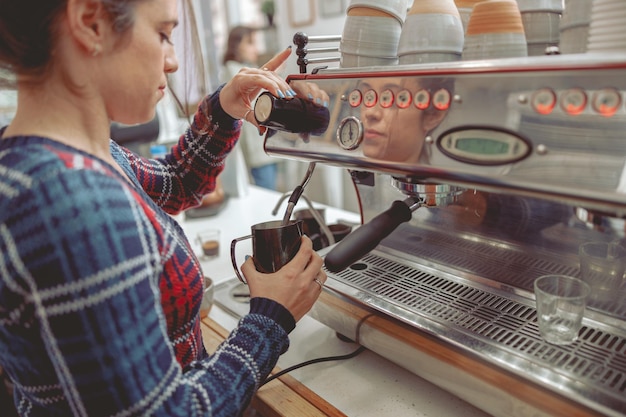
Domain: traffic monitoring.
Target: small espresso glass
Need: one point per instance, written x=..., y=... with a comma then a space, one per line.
x=561, y=302
x=209, y=241
x=602, y=266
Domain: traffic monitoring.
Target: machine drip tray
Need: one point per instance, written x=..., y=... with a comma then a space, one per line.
x=494, y=320
x=499, y=326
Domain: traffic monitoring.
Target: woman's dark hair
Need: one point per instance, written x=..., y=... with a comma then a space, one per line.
x=235, y=37
x=28, y=31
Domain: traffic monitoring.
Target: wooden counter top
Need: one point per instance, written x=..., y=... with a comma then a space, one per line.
x=282, y=397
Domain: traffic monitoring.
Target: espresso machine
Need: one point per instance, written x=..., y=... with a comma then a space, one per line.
x=488, y=175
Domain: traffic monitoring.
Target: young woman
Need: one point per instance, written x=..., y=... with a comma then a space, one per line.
x=99, y=287
x=241, y=52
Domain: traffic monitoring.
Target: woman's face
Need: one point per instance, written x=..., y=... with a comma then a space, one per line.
x=133, y=73
x=393, y=134
x=248, y=52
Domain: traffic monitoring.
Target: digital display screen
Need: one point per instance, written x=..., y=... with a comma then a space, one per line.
x=482, y=146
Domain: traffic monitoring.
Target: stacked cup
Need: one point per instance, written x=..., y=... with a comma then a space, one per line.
x=465, y=10
x=541, y=19
x=371, y=33
x=606, y=30
x=495, y=30
x=574, y=26
x=432, y=32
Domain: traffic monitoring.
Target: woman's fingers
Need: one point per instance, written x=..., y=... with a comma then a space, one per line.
x=277, y=60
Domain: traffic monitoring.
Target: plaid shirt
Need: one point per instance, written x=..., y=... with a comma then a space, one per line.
x=100, y=289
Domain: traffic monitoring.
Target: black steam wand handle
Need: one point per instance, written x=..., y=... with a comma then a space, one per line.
x=366, y=237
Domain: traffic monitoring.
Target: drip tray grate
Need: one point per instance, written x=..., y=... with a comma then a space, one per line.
x=501, y=328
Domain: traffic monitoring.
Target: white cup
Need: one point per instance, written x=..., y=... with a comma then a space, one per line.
x=355, y=61
x=395, y=8
x=432, y=32
x=369, y=41
x=606, y=29
x=495, y=30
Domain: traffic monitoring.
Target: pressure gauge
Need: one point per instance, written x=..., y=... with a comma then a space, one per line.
x=350, y=133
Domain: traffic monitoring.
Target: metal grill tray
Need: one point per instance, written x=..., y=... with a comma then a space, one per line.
x=493, y=320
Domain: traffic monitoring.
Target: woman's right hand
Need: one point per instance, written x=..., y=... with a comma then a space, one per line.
x=294, y=286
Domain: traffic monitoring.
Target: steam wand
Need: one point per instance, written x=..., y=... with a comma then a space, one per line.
x=295, y=196
x=316, y=215
x=297, y=192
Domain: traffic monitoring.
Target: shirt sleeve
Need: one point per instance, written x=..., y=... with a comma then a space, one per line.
x=82, y=319
x=189, y=171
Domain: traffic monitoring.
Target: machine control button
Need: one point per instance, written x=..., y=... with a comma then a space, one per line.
x=543, y=101
x=574, y=101
x=484, y=146
x=404, y=98
x=350, y=133
x=442, y=99
x=422, y=99
x=370, y=98
x=606, y=101
x=355, y=98
x=386, y=99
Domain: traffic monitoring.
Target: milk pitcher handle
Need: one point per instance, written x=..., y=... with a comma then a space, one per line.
x=233, y=257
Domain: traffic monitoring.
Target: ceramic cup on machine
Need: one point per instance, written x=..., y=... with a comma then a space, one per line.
x=541, y=20
x=432, y=32
x=495, y=30
x=606, y=29
x=395, y=8
x=574, y=26
x=465, y=10
x=371, y=33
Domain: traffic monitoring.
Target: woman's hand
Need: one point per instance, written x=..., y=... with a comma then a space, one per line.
x=240, y=92
x=294, y=286
x=238, y=95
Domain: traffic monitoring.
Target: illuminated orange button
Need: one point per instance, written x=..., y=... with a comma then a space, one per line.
x=355, y=98
x=607, y=101
x=543, y=101
x=574, y=101
x=404, y=99
x=370, y=98
x=442, y=99
x=422, y=99
x=386, y=99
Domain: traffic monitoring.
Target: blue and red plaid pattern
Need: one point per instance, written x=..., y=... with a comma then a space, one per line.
x=100, y=290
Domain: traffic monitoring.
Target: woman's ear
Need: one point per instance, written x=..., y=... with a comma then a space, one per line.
x=432, y=118
x=86, y=22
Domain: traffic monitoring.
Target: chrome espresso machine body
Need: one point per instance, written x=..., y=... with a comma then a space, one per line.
x=510, y=165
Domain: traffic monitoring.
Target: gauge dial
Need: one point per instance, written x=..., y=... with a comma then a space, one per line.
x=404, y=99
x=355, y=98
x=370, y=98
x=607, y=101
x=350, y=133
x=386, y=99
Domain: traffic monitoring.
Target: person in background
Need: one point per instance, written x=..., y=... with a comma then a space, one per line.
x=242, y=51
x=100, y=290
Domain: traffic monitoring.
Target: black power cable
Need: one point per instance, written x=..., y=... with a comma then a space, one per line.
x=314, y=361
